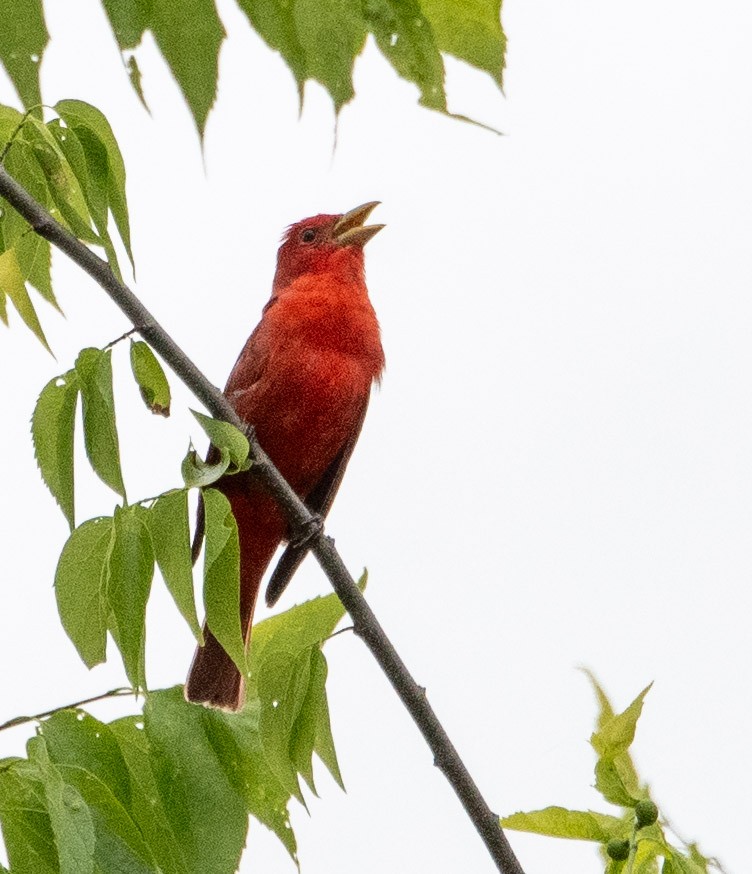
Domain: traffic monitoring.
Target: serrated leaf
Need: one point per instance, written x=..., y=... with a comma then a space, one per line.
x=69, y=814
x=81, y=588
x=13, y=286
x=23, y=37
x=224, y=435
x=471, y=31
x=151, y=379
x=94, y=369
x=189, y=35
x=52, y=435
x=222, y=576
x=609, y=782
x=80, y=116
x=274, y=21
x=406, y=39
x=558, y=822
x=146, y=805
x=331, y=34
x=167, y=520
x=131, y=567
x=27, y=832
x=304, y=729
x=205, y=809
x=616, y=734
x=324, y=746
x=282, y=681
x=198, y=474
x=52, y=431
x=34, y=260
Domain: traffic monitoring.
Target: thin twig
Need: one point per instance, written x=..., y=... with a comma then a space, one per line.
x=22, y=720
x=367, y=626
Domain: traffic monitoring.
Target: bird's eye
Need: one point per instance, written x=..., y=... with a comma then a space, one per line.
x=308, y=236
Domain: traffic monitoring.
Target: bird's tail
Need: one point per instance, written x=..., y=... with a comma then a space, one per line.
x=214, y=679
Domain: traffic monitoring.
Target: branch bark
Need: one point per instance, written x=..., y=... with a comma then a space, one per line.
x=413, y=696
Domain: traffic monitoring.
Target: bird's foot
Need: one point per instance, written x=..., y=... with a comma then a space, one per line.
x=308, y=531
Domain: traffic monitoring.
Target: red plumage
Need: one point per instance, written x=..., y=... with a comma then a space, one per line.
x=303, y=380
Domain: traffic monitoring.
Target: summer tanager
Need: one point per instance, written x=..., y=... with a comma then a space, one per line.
x=303, y=380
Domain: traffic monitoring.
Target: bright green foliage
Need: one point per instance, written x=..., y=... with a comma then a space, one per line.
x=94, y=370
x=81, y=588
x=318, y=39
x=223, y=435
x=23, y=37
x=151, y=379
x=130, y=572
x=231, y=445
x=222, y=576
x=73, y=167
x=52, y=428
x=167, y=521
x=131, y=795
x=634, y=842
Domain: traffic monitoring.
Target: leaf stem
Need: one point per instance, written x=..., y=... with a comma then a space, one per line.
x=413, y=696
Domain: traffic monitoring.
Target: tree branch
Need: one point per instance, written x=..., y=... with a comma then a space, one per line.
x=366, y=625
x=21, y=720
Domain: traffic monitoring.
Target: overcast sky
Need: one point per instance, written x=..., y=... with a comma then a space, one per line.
x=557, y=470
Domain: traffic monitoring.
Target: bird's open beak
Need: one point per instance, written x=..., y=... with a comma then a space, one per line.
x=350, y=230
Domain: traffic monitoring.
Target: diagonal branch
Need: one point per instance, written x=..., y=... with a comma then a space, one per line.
x=366, y=625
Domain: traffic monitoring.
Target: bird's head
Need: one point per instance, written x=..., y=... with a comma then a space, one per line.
x=325, y=243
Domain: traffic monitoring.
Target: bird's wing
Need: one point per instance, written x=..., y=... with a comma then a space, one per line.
x=319, y=501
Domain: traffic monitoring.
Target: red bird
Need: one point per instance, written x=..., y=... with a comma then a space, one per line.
x=303, y=380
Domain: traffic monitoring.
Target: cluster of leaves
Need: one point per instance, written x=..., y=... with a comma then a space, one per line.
x=105, y=571
x=635, y=842
x=72, y=166
x=169, y=791
x=318, y=39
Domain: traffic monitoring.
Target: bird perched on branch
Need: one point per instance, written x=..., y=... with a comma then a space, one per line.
x=303, y=381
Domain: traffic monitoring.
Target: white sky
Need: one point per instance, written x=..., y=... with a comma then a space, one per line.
x=558, y=468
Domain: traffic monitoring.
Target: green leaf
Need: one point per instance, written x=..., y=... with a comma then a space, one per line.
x=616, y=734
x=324, y=746
x=282, y=682
x=81, y=588
x=206, y=811
x=27, y=831
x=128, y=20
x=167, y=520
x=331, y=34
x=69, y=814
x=119, y=845
x=131, y=567
x=197, y=473
x=52, y=430
x=305, y=726
x=151, y=379
x=223, y=435
x=222, y=576
x=80, y=117
x=471, y=31
x=406, y=39
x=67, y=174
x=189, y=35
x=12, y=284
x=94, y=369
x=145, y=803
x=274, y=20
x=23, y=37
x=606, y=711
x=611, y=783
x=558, y=822
x=33, y=254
